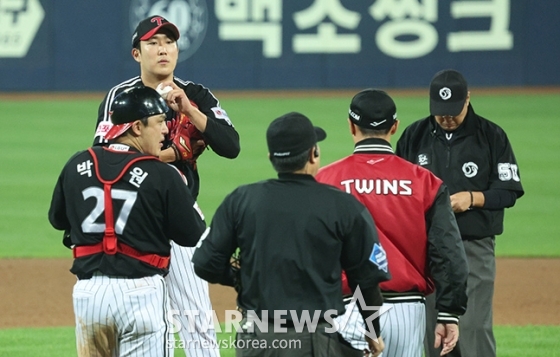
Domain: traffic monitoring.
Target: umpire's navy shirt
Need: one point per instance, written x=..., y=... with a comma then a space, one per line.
x=295, y=236
x=476, y=157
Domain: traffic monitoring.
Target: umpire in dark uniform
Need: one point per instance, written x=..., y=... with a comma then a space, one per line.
x=474, y=158
x=295, y=236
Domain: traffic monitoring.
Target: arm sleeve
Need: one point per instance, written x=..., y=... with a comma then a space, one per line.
x=404, y=145
x=185, y=224
x=446, y=259
x=211, y=259
x=400, y=149
x=57, y=211
x=505, y=173
x=222, y=138
x=365, y=263
x=220, y=133
x=372, y=297
x=496, y=199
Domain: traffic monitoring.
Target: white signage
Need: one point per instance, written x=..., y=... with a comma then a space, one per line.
x=19, y=22
x=406, y=28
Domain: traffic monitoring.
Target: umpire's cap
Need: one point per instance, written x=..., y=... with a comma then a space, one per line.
x=291, y=134
x=150, y=26
x=134, y=104
x=448, y=93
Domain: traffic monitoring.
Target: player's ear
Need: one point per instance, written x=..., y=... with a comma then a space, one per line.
x=352, y=127
x=136, y=54
x=314, y=155
x=395, y=127
x=136, y=127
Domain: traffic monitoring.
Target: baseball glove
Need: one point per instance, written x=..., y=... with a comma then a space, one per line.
x=187, y=141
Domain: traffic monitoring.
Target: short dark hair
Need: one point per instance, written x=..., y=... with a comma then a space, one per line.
x=373, y=132
x=291, y=163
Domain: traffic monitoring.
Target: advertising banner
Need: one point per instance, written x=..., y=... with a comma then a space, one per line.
x=277, y=44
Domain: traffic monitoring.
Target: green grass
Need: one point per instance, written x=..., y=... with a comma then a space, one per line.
x=56, y=342
x=522, y=341
x=512, y=341
x=44, y=134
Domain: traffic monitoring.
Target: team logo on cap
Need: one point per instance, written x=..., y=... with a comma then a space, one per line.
x=445, y=93
x=190, y=17
x=377, y=123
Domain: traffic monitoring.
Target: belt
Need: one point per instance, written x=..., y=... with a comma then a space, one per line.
x=395, y=298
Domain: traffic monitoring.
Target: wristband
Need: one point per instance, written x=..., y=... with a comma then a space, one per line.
x=176, y=151
x=472, y=200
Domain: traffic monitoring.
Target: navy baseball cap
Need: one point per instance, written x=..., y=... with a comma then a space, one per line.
x=291, y=134
x=448, y=93
x=150, y=26
x=373, y=109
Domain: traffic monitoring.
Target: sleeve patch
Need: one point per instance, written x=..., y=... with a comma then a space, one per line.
x=507, y=172
x=379, y=257
x=219, y=113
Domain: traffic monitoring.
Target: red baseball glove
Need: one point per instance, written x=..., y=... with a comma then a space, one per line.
x=187, y=141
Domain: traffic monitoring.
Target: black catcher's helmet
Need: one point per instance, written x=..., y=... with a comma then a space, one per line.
x=133, y=104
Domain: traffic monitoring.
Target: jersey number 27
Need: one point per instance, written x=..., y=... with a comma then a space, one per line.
x=89, y=225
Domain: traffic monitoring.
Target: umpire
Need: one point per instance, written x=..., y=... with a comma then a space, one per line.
x=474, y=158
x=295, y=236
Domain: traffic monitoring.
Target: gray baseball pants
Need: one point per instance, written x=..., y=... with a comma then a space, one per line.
x=476, y=336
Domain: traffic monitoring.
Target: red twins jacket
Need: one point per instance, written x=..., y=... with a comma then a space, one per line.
x=414, y=219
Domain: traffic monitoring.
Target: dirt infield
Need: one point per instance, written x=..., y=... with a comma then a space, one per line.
x=38, y=293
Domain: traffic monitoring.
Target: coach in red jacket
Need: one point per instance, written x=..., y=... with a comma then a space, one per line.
x=416, y=226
